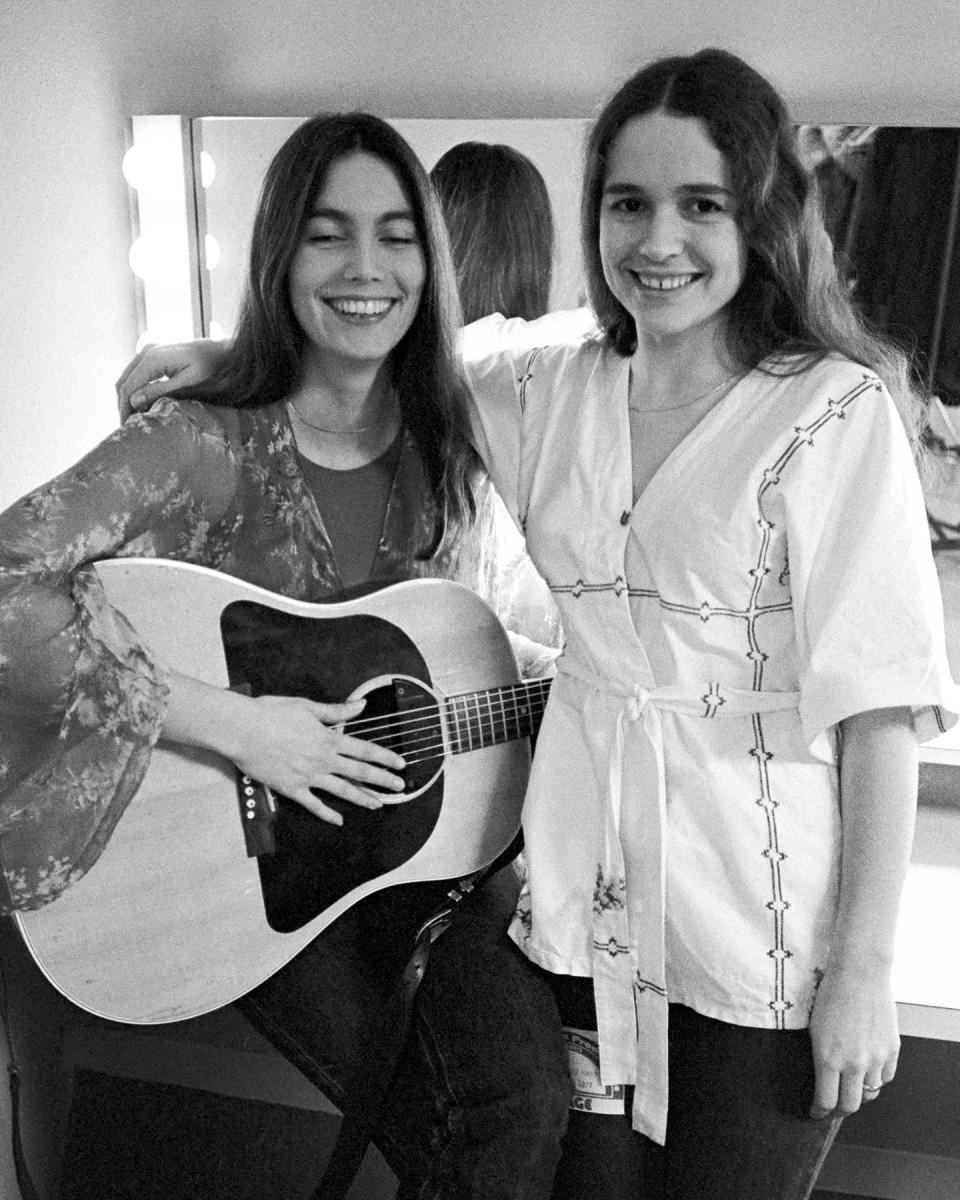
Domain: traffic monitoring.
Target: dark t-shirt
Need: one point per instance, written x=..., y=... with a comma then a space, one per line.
x=353, y=504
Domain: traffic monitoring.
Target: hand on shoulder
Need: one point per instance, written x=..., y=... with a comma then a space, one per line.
x=157, y=370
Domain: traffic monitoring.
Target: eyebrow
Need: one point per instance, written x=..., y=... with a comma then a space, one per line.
x=337, y=214
x=633, y=189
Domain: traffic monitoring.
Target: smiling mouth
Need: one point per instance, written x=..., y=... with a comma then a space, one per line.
x=361, y=309
x=664, y=283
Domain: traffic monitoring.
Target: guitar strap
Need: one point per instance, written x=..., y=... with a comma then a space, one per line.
x=361, y=1120
x=27, y=1189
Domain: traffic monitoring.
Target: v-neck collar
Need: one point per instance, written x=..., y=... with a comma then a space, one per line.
x=674, y=466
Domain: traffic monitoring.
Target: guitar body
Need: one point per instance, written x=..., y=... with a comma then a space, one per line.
x=209, y=885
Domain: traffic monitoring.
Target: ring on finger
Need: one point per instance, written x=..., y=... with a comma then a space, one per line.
x=871, y=1089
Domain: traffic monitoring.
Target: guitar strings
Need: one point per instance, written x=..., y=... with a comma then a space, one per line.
x=394, y=730
x=416, y=754
x=384, y=732
x=394, y=726
x=530, y=688
x=413, y=717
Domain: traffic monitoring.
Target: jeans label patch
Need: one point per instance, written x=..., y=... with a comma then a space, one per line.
x=583, y=1058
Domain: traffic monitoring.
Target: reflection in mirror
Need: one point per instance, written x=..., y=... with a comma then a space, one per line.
x=891, y=197
x=237, y=152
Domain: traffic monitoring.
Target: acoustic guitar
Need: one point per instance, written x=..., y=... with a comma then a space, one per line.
x=210, y=883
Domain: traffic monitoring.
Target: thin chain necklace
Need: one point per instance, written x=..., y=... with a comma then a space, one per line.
x=337, y=432
x=728, y=379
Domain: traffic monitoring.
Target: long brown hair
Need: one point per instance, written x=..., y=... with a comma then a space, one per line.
x=262, y=363
x=792, y=307
x=497, y=212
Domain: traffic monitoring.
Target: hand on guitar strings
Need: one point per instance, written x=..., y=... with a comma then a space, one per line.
x=293, y=745
x=286, y=742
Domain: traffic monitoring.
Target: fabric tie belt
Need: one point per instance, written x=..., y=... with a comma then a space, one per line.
x=628, y=904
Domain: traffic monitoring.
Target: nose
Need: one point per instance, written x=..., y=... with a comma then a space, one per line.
x=364, y=259
x=662, y=235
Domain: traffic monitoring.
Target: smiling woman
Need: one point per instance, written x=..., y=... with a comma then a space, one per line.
x=715, y=489
x=327, y=449
x=355, y=285
x=673, y=252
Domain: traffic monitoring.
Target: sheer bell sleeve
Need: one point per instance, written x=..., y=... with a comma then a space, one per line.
x=81, y=700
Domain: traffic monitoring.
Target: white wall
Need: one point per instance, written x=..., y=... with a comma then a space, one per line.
x=72, y=70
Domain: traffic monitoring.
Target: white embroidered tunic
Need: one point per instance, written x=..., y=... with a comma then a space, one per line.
x=682, y=824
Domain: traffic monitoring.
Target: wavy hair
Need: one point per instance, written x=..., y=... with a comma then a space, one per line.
x=497, y=211
x=263, y=361
x=792, y=307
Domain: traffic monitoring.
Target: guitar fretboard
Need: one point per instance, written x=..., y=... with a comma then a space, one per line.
x=489, y=718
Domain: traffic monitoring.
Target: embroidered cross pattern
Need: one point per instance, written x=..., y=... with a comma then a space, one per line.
x=751, y=615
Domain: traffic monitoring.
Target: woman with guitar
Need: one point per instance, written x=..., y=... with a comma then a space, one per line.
x=328, y=451
x=721, y=492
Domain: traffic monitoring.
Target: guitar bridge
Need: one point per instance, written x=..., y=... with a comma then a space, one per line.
x=258, y=810
x=258, y=805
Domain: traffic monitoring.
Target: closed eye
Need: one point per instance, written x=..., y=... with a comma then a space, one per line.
x=402, y=234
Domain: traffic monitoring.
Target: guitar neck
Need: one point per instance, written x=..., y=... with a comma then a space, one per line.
x=494, y=716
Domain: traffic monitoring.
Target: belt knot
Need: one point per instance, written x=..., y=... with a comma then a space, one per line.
x=637, y=701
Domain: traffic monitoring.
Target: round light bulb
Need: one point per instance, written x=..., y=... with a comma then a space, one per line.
x=208, y=168
x=131, y=167
x=211, y=249
x=143, y=258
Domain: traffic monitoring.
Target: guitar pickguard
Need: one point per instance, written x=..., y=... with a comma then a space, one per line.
x=271, y=652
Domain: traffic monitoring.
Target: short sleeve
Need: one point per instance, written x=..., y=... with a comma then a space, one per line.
x=495, y=352
x=566, y=327
x=867, y=603
x=496, y=420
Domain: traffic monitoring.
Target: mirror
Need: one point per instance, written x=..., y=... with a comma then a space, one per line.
x=237, y=151
x=891, y=193
x=892, y=203
x=891, y=196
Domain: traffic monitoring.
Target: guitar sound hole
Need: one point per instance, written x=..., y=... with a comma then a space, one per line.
x=402, y=716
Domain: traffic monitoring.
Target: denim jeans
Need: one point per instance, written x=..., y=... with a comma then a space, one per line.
x=737, y=1128
x=479, y=1102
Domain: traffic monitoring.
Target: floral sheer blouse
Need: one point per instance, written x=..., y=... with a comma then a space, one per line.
x=82, y=701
